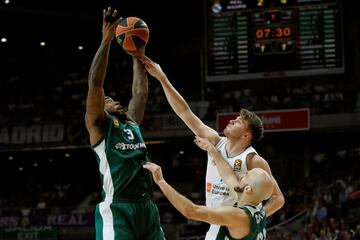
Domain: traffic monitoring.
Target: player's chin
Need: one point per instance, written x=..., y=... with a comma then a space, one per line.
x=118, y=112
x=121, y=112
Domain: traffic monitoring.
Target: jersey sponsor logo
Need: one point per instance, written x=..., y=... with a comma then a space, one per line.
x=208, y=187
x=129, y=146
x=237, y=165
x=217, y=189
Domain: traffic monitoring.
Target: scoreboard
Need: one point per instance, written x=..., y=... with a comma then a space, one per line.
x=254, y=39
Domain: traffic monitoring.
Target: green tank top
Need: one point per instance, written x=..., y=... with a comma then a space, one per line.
x=120, y=156
x=258, y=225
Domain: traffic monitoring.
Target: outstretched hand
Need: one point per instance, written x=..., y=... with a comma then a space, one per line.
x=153, y=68
x=110, y=21
x=155, y=170
x=204, y=144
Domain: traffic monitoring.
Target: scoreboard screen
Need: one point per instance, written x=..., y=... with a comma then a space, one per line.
x=254, y=39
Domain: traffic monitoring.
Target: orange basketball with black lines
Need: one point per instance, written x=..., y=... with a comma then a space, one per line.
x=132, y=33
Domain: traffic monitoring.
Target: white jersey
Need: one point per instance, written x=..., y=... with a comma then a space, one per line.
x=217, y=192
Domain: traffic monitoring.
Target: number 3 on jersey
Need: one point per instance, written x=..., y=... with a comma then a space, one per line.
x=129, y=134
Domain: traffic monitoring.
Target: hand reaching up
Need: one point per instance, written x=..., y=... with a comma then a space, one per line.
x=153, y=68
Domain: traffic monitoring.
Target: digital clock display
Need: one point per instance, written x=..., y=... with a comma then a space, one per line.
x=279, y=32
x=253, y=39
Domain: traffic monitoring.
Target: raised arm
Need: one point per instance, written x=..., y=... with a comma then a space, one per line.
x=178, y=103
x=138, y=101
x=277, y=199
x=225, y=170
x=95, y=96
x=227, y=216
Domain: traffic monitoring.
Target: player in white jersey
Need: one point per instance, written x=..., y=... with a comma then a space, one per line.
x=235, y=147
x=217, y=191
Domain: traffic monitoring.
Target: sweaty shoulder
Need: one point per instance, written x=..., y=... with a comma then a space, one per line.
x=96, y=130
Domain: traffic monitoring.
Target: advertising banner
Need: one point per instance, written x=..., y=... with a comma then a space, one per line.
x=274, y=121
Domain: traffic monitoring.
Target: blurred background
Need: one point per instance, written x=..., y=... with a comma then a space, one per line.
x=296, y=63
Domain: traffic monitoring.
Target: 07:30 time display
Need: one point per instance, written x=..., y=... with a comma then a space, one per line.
x=273, y=33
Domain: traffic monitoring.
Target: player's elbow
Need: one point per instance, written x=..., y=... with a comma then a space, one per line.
x=278, y=202
x=274, y=204
x=281, y=201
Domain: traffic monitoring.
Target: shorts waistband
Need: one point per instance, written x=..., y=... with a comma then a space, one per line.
x=116, y=198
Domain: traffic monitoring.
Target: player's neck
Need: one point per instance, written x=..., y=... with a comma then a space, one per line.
x=247, y=201
x=234, y=148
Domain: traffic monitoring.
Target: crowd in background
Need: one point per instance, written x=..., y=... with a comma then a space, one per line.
x=64, y=94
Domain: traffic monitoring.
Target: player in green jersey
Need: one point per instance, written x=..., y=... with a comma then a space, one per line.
x=126, y=211
x=246, y=220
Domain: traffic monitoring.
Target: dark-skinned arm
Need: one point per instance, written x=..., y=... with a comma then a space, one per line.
x=137, y=104
x=95, y=96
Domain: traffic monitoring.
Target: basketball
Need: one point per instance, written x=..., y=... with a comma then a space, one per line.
x=132, y=33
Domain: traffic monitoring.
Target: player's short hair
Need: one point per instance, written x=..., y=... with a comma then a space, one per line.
x=255, y=124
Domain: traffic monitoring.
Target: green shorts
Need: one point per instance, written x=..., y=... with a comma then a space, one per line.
x=128, y=221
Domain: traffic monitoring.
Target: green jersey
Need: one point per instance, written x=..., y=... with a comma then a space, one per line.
x=258, y=225
x=121, y=155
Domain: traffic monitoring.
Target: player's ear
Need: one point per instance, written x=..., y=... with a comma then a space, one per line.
x=247, y=135
x=248, y=189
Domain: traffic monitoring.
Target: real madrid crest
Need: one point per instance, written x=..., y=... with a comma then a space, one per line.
x=237, y=165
